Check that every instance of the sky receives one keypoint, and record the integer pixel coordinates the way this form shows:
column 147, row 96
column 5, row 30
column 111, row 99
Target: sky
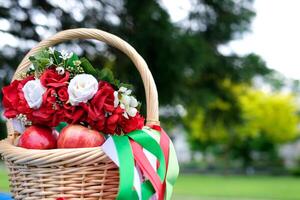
column 275, row 33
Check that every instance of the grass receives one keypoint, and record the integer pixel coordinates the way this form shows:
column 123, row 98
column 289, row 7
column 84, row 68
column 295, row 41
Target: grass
column 237, row 188
column 3, row 180
column 195, row 187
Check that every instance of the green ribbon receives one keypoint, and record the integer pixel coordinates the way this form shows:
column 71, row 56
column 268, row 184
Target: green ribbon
column 150, row 144
column 147, row 190
column 126, row 169
column 149, row 140
column 172, row 172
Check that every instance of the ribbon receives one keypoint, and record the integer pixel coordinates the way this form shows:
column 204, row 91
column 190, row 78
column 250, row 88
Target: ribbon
column 171, row 159
column 136, row 154
column 147, row 169
column 125, row 157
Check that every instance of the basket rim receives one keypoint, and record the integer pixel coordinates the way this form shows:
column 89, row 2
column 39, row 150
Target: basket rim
column 52, row 157
column 48, row 150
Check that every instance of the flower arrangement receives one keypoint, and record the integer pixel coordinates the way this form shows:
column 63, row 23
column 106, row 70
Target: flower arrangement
column 61, row 87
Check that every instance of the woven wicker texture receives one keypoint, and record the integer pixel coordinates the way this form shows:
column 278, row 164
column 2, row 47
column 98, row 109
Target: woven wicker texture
column 83, row 173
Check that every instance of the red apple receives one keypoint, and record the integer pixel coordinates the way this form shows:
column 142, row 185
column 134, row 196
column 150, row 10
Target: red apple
column 77, row 136
column 37, row 137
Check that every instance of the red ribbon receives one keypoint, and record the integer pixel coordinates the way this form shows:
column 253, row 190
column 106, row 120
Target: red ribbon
column 145, row 166
column 164, row 144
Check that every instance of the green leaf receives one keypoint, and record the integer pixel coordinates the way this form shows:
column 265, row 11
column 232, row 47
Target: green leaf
column 129, row 86
column 88, row 67
column 40, row 60
column 60, row 126
column 117, row 83
column 139, row 106
column 71, row 60
column 56, row 57
column 106, row 75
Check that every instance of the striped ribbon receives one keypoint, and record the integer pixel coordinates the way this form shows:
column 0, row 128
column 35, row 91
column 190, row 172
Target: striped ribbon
column 135, row 152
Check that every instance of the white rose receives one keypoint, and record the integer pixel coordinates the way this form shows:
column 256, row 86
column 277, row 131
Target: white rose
column 33, row 92
column 82, row 88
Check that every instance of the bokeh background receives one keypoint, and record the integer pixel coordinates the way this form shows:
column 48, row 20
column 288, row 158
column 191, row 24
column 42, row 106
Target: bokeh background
column 227, row 77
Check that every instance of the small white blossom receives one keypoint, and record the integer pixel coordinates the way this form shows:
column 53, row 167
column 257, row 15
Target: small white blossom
column 60, row 70
column 18, row 125
column 31, row 67
column 128, row 103
column 116, row 99
column 51, row 61
column 133, row 102
column 65, row 55
column 51, row 50
column 77, row 62
column 20, row 122
column 125, row 90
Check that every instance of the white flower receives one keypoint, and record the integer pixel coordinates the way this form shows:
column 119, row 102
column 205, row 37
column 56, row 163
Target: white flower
column 65, row 55
column 51, row 50
column 77, row 62
column 129, row 103
column 60, row 70
column 82, row 88
column 124, row 90
column 18, row 125
column 116, row 99
column 51, row 61
column 31, row 67
column 126, row 102
column 33, row 92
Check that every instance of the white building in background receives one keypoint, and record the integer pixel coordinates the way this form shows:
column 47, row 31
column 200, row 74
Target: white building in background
column 181, row 145
column 290, row 153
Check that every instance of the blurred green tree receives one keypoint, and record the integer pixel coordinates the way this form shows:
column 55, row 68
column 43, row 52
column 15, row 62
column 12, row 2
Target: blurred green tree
column 183, row 57
column 267, row 119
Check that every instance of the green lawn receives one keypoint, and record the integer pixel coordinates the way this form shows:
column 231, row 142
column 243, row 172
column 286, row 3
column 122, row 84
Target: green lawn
column 192, row 187
column 3, row 180
column 198, row 187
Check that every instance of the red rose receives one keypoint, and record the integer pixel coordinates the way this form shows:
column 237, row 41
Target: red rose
column 50, row 113
column 50, row 78
column 13, row 99
column 75, row 114
column 95, row 116
column 112, row 122
column 104, row 98
column 101, row 105
column 63, row 94
column 132, row 123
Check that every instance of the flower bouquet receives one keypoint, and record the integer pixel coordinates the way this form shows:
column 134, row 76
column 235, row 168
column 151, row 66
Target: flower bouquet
column 75, row 132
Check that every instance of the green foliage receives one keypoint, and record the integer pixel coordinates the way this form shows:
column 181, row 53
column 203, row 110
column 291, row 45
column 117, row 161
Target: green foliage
column 273, row 115
column 72, row 60
column 40, row 60
column 266, row 120
column 88, row 67
column 107, row 75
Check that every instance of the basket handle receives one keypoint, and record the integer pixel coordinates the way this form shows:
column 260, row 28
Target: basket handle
column 112, row 40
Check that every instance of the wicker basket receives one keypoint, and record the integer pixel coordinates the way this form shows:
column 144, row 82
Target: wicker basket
column 83, row 173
